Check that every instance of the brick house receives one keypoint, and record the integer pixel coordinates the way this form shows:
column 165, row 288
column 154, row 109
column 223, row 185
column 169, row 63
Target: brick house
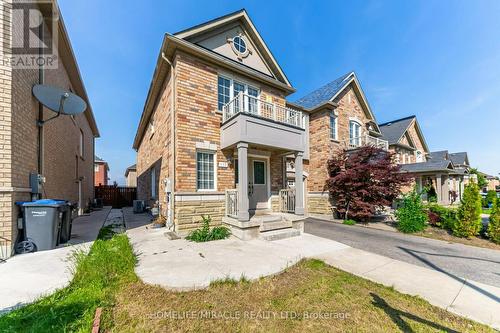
column 215, row 87
column 101, row 169
column 131, row 176
column 67, row 142
column 445, row 174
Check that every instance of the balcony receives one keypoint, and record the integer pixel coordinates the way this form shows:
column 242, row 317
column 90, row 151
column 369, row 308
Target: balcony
column 246, row 118
column 366, row 140
column 251, row 105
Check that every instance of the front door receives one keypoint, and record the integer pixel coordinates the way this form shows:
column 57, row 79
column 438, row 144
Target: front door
column 258, row 189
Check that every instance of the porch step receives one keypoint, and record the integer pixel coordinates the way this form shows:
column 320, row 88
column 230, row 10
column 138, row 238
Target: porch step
column 279, row 234
column 275, row 225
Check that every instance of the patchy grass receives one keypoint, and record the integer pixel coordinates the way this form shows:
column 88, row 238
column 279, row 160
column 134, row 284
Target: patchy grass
column 308, row 297
column 98, row 276
column 445, row 235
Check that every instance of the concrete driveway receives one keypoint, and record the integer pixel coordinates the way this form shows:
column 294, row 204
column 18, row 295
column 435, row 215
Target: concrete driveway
column 453, row 259
column 26, row 277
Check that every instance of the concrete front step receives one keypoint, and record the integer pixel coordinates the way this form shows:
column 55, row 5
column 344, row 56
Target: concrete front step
column 279, row 234
column 275, row 225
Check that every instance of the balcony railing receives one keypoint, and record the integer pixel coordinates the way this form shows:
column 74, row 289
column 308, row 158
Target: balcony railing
column 287, row 200
column 232, row 203
column 367, row 140
column 243, row 103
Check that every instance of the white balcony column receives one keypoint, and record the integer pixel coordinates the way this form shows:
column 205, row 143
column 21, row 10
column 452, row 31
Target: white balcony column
column 243, row 204
column 445, row 196
column 299, row 183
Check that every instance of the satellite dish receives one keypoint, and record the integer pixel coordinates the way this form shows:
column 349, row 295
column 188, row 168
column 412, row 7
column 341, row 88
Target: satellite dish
column 59, row 100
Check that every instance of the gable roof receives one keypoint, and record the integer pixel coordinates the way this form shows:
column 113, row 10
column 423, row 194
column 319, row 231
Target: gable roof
column 439, row 155
column 429, row 166
column 459, row 158
column 241, row 16
column 325, row 93
column 133, row 167
column 394, row 130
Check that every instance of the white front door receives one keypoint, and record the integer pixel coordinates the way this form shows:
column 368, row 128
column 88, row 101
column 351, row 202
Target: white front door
column 258, row 184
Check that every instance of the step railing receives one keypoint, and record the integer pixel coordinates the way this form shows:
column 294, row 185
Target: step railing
column 287, row 200
column 232, row 203
column 243, row 103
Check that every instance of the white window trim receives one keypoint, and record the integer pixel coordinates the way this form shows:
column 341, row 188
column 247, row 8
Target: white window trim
column 333, row 115
column 231, row 87
column 206, row 151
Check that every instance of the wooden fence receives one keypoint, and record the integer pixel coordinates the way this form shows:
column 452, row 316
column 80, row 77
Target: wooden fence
column 116, row 196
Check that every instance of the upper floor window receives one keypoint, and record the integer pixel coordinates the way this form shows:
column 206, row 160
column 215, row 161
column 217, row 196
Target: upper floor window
column 96, row 167
column 227, row 89
column 354, row 133
column 419, row 157
column 333, row 126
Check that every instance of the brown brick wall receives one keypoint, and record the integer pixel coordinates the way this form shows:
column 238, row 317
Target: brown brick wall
column 321, row 146
column 101, row 175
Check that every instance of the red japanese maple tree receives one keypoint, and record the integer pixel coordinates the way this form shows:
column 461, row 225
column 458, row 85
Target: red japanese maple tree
column 362, row 180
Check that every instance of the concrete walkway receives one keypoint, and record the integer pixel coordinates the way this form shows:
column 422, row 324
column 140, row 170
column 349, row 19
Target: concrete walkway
column 26, row 277
column 182, row 265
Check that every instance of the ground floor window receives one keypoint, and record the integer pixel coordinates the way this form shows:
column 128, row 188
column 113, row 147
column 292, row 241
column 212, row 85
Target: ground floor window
column 205, row 171
column 153, row 183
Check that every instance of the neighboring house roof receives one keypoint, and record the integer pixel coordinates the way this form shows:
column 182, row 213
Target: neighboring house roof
column 439, row 155
column 130, row 169
column 394, row 130
column 179, row 41
column 99, row 160
column 327, row 94
column 429, row 166
column 459, row 158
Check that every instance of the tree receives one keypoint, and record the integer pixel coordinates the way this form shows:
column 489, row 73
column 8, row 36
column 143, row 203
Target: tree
column 362, row 180
column 469, row 212
column 490, row 198
column 494, row 225
column 481, row 179
column 411, row 215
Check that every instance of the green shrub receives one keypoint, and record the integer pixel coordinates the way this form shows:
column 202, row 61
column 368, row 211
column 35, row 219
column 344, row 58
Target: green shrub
column 469, row 213
column 349, row 222
column 205, row 233
column 411, row 215
column 490, row 198
column 447, row 216
column 494, row 225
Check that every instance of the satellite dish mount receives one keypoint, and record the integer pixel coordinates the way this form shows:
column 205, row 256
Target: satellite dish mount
column 59, row 101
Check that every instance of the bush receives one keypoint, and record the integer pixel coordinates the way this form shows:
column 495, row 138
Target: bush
column 205, row 233
column 494, row 225
column 411, row 215
column 442, row 217
column 349, row 222
column 469, row 213
column 490, row 198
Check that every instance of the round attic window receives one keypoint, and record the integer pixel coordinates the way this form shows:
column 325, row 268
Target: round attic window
column 239, row 44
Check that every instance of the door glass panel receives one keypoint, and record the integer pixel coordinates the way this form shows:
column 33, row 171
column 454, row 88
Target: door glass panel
column 259, row 173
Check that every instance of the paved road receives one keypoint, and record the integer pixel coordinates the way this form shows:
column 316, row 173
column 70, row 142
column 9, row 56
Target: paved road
column 456, row 260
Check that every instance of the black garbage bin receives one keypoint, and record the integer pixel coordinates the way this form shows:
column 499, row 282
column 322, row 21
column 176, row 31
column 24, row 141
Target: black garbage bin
column 66, row 223
column 43, row 221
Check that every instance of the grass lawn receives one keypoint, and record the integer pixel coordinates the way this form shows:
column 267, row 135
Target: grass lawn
column 309, row 296
column 445, row 235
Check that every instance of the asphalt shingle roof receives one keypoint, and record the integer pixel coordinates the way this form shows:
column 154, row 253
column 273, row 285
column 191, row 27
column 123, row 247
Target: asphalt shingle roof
column 459, row 158
column 325, row 93
column 432, row 165
column 393, row 131
column 439, row 155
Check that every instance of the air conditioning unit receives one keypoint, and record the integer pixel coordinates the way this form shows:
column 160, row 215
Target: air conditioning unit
column 139, row 206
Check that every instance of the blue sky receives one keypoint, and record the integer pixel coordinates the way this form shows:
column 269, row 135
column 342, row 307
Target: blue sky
column 439, row 60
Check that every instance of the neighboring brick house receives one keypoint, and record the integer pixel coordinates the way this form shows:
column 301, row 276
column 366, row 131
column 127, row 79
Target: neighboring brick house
column 340, row 117
column 67, row 141
column 215, row 129
column 131, row 176
column 101, row 169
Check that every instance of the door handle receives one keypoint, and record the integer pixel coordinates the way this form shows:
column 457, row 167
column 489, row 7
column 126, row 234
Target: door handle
column 250, row 189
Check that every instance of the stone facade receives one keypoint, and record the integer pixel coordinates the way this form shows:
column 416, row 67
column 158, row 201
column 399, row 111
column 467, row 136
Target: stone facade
column 411, row 138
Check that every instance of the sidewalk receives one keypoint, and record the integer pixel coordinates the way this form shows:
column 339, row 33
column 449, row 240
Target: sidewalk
column 182, row 265
column 26, row 277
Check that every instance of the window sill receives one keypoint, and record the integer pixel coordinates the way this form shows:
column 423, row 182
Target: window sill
column 334, row 140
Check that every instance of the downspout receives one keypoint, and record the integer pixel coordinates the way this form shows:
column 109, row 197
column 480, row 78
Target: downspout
column 172, row 140
column 41, row 80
